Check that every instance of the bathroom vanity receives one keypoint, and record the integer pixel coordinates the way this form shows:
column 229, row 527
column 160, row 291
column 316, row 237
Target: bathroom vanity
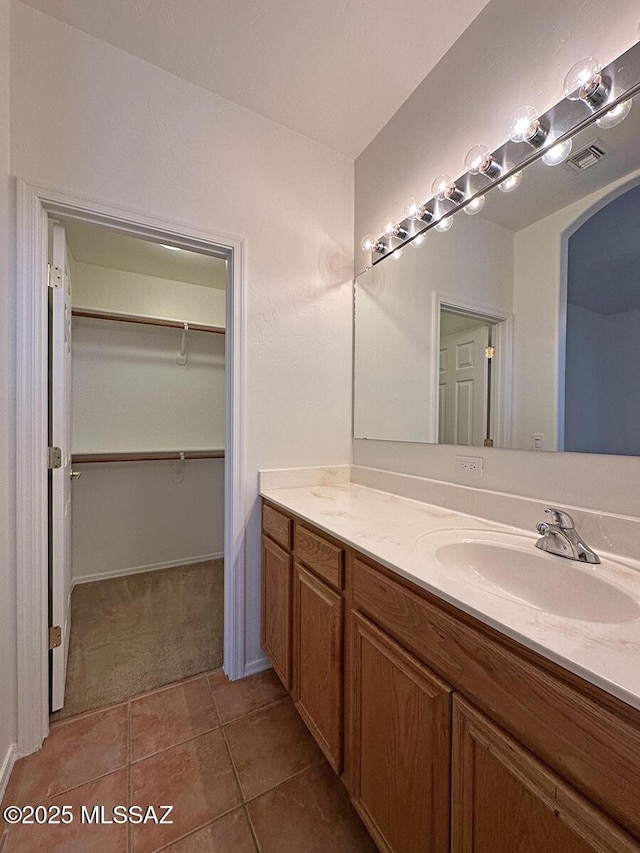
column 458, row 719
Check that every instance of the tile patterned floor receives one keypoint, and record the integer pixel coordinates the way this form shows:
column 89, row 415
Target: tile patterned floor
column 234, row 759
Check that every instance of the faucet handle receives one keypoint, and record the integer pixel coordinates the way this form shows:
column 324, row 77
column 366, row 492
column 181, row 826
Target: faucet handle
column 561, row 518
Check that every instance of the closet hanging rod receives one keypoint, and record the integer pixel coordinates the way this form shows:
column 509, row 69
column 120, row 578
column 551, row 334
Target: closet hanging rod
column 148, row 321
column 151, row 456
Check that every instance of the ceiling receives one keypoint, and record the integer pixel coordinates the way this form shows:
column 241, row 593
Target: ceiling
column 99, row 246
column 335, row 70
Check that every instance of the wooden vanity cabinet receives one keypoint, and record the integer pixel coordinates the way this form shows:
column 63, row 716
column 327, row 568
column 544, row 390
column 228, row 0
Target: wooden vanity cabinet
column 399, row 745
column 505, row 800
column 450, row 736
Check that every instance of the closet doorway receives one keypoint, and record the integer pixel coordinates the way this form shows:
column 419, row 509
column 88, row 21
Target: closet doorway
column 37, row 207
column 145, row 399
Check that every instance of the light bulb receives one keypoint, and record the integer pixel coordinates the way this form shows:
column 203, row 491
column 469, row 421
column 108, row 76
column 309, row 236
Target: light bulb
column 415, row 210
column 582, row 79
column 558, row 153
column 441, row 187
column 390, row 228
column 524, row 126
column 444, row 224
column 475, row 206
column 397, row 255
column 370, row 243
column 479, row 161
column 512, row 183
column 418, row 240
column 584, row 82
column 444, row 188
column 615, row 115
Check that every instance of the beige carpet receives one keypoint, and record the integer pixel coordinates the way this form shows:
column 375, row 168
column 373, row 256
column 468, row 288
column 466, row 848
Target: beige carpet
column 136, row 633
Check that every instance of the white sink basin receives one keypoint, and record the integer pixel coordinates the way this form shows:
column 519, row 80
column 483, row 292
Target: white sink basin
column 510, row 566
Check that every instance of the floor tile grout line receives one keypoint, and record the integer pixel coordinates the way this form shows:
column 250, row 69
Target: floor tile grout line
column 233, row 765
column 47, row 800
column 313, row 764
column 213, row 700
column 253, row 829
column 172, row 684
column 136, row 761
column 195, row 829
column 254, row 711
column 111, row 706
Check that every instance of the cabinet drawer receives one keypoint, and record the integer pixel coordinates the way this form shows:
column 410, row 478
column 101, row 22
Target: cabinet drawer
column 277, row 525
column 586, row 742
column 325, row 558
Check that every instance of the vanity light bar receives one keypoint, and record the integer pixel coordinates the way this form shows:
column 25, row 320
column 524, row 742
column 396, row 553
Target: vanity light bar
column 592, row 93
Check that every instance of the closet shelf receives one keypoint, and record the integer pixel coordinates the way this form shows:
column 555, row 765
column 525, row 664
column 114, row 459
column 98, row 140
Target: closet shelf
column 148, row 321
column 147, row 456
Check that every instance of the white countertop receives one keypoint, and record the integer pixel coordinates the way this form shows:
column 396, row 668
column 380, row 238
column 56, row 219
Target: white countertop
column 391, row 530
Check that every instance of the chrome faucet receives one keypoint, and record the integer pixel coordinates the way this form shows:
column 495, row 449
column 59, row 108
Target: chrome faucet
column 561, row 537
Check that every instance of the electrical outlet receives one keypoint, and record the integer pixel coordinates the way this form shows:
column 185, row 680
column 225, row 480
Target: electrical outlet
column 537, row 441
column 470, row 465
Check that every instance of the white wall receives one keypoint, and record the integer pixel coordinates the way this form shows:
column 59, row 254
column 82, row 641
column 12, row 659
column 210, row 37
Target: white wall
column 514, row 52
column 133, row 517
column 92, row 119
column 109, row 290
column 130, row 394
column 8, row 721
column 393, row 350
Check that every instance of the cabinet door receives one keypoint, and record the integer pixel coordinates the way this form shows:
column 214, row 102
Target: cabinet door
column 505, row 800
column 276, row 608
column 400, row 744
column 318, row 673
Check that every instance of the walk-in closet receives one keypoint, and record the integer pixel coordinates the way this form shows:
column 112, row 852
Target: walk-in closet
column 148, row 458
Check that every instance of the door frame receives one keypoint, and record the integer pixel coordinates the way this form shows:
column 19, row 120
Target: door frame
column 502, row 363
column 34, row 206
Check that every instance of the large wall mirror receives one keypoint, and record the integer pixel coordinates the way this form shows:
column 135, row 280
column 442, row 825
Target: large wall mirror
column 520, row 326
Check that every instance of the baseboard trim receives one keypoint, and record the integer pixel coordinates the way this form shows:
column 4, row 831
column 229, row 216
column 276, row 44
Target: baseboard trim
column 7, row 767
column 258, row 665
column 136, row 570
